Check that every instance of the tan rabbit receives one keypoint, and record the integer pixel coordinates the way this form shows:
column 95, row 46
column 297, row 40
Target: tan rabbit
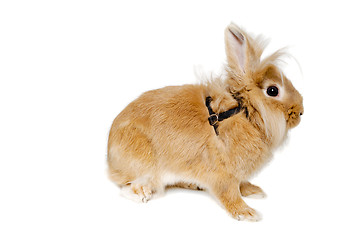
column 212, row 136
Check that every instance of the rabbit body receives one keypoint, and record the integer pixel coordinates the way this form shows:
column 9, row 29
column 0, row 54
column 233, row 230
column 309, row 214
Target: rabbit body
column 163, row 138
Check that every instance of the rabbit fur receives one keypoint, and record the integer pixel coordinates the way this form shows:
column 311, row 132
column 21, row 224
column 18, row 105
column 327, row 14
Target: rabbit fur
column 163, row 138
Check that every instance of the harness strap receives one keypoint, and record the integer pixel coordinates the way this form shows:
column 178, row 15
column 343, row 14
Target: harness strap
column 215, row 118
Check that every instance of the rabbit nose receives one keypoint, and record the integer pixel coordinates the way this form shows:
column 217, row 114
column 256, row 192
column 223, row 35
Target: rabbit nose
column 294, row 112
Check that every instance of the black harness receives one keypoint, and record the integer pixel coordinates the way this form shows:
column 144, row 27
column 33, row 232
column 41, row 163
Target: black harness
column 215, row 118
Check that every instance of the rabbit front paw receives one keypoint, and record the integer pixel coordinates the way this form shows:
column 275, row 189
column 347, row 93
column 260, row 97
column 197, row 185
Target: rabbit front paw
column 249, row 214
column 252, row 191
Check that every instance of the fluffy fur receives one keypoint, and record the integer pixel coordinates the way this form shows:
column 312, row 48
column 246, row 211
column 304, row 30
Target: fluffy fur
column 163, row 138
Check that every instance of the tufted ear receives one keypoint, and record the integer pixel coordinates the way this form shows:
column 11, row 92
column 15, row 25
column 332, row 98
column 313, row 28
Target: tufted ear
column 236, row 48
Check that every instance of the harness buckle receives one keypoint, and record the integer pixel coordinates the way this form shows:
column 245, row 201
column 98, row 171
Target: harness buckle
column 213, row 119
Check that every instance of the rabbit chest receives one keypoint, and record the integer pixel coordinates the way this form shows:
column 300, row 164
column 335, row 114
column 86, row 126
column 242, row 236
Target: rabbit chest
column 245, row 146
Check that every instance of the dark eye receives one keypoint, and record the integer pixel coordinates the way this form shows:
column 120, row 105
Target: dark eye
column 272, row 91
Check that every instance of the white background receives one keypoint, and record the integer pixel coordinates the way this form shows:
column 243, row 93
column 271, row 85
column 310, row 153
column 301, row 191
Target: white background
column 67, row 68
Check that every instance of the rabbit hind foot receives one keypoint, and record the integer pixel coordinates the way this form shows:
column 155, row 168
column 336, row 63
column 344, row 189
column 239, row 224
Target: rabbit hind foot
column 138, row 190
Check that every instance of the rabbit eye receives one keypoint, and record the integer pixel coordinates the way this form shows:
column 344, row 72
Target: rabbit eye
column 272, row 91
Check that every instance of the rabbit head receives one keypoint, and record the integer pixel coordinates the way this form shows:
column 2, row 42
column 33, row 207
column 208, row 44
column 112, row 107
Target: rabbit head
column 273, row 102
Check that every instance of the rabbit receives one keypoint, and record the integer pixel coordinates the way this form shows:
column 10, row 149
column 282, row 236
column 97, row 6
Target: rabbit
column 211, row 136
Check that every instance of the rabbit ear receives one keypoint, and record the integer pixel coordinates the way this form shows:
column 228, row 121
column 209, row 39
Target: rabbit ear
column 236, row 48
